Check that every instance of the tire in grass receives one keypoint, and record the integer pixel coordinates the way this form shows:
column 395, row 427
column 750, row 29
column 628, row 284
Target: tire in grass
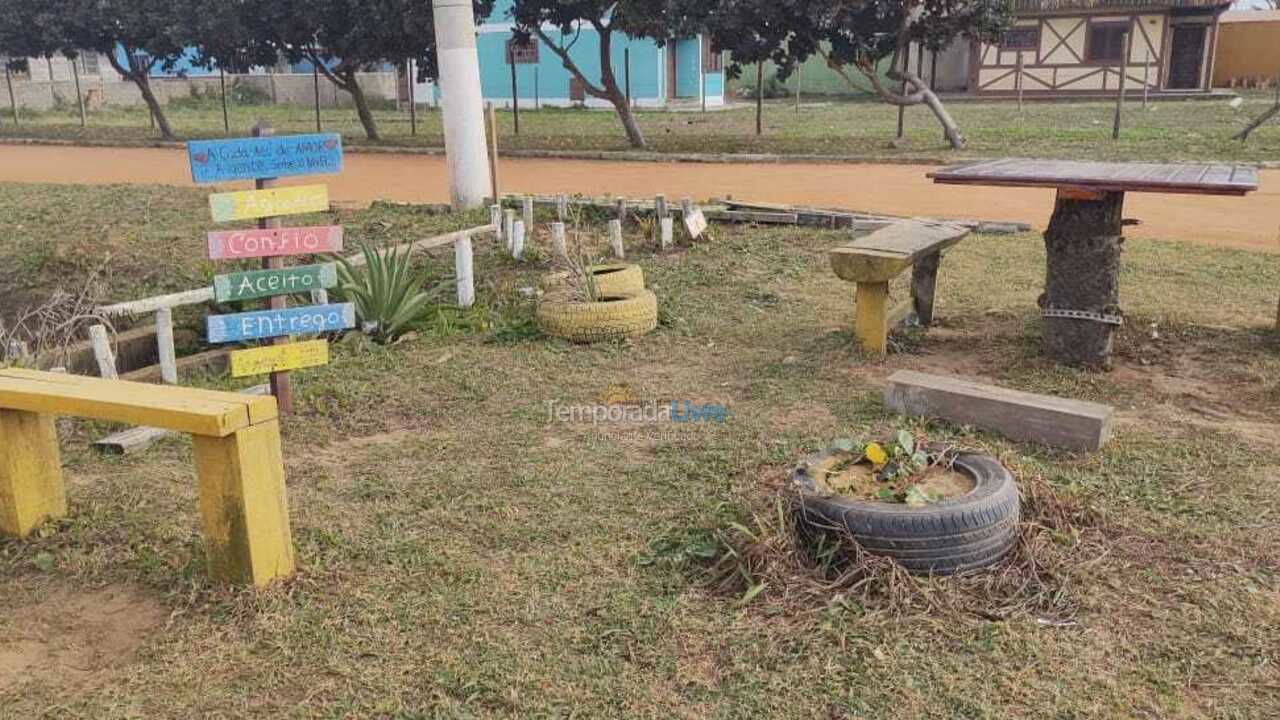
column 950, row 536
column 613, row 280
column 613, row 318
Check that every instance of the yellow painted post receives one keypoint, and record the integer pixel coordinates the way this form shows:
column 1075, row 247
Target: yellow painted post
column 30, row 472
column 871, row 317
column 243, row 505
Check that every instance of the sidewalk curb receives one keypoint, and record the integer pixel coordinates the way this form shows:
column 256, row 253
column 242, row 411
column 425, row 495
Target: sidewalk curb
column 604, row 155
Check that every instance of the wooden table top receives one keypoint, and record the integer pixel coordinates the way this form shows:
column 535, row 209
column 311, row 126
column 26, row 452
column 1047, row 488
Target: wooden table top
column 1104, row 176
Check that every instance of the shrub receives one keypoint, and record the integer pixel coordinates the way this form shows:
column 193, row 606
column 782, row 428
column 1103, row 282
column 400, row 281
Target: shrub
column 389, row 296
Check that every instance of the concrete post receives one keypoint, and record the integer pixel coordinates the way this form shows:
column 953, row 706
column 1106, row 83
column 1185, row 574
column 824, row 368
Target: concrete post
column 464, row 132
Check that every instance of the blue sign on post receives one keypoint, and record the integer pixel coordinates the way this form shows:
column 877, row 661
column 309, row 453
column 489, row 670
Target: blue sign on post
column 214, row 161
column 276, row 323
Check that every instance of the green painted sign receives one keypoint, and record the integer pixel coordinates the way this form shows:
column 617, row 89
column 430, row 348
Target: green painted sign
column 268, row 283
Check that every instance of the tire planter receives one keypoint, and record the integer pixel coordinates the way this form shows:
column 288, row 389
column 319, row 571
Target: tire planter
column 615, row 280
column 963, row 533
column 615, row 318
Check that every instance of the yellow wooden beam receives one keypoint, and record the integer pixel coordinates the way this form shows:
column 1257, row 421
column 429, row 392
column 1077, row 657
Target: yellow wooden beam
column 30, row 472
column 871, row 317
column 199, row 412
column 243, row 505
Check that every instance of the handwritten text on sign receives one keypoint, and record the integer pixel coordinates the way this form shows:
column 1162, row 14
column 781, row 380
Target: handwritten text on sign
column 268, row 283
column 278, row 358
column 275, row 323
column 241, row 244
column 215, row 161
column 696, row 223
column 251, row 204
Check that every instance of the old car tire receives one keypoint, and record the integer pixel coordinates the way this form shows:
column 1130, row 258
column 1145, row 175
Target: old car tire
column 613, row 280
column 612, row 319
column 955, row 535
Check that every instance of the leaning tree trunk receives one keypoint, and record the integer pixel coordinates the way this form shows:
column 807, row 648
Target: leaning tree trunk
column 1082, row 272
column 352, row 86
column 628, row 118
column 162, row 122
column 949, row 126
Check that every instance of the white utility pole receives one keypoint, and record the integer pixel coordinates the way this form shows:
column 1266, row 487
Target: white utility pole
column 465, row 143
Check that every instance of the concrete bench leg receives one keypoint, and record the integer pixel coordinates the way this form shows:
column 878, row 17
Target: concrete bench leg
column 31, row 488
column 871, row 317
column 924, row 282
column 243, row 505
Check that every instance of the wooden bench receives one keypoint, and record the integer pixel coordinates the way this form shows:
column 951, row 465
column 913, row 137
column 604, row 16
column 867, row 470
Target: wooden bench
column 873, row 260
column 238, row 460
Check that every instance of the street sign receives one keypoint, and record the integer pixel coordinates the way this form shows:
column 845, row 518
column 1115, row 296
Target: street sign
column 246, row 244
column 279, row 358
column 268, row 283
column 251, row 204
column 253, row 158
column 276, row 323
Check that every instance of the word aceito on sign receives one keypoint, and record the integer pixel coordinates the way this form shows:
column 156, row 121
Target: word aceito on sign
column 267, row 283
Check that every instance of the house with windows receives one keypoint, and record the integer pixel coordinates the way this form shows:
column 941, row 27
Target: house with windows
column 1078, row 47
column 683, row 70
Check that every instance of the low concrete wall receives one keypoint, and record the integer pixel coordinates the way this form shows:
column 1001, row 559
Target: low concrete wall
column 101, row 92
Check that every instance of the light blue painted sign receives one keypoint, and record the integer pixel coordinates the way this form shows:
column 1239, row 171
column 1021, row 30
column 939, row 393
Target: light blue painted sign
column 214, row 161
column 276, row 323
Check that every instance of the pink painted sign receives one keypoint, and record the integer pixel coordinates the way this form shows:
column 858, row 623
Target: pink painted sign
column 240, row 244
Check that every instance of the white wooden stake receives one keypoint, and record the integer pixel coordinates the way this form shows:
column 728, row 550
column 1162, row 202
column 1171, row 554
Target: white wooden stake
column 615, row 239
column 102, row 352
column 495, row 219
column 660, row 206
column 668, row 229
column 686, row 205
column 528, row 213
column 463, row 264
column 164, row 344
column 622, row 210
column 562, row 207
column 557, row 240
column 517, row 239
column 509, row 228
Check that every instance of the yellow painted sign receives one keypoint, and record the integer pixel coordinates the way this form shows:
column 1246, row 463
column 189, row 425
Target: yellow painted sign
column 252, row 204
column 278, row 358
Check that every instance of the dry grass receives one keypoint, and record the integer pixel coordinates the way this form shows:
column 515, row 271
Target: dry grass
column 462, row 556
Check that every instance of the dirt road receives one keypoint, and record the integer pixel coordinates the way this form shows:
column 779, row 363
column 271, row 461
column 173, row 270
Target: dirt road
column 1251, row 222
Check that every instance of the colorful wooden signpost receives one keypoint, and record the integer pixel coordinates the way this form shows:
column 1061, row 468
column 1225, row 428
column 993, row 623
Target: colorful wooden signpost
column 262, row 324
column 273, row 242
column 263, row 158
column 254, row 204
column 279, row 358
column 267, row 283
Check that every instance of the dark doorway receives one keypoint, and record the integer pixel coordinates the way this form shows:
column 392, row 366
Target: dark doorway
column 1186, row 55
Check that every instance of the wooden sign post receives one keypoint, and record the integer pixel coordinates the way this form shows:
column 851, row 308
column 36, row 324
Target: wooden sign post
column 265, row 158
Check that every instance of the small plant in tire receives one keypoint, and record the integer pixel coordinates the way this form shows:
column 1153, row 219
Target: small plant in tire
column 934, row 510
column 894, row 466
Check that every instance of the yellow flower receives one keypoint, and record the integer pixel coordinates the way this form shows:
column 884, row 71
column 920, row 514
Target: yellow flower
column 876, row 454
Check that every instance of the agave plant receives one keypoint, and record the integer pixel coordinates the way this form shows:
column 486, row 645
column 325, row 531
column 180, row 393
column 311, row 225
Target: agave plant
column 389, row 296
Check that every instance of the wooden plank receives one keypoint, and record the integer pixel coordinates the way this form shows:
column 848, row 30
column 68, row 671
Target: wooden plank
column 751, row 216
column 137, row 439
column 166, row 353
column 152, row 304
column 885, row 253
column 244, row 509
column 31, row 489
column 199, row 412
column 254, row 158
column 255, row 284
column 1200, row 179
column 102, row 352
column 274, row 242
column 1058, row 422
column 253, row 204
column 263, row 324
column 279, row 358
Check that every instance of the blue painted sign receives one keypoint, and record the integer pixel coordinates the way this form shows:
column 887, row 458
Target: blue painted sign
column 214, row 161
column 276, row 323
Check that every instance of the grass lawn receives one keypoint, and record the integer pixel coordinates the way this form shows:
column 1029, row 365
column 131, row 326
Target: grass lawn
column 1172, row 130
column 464, row 556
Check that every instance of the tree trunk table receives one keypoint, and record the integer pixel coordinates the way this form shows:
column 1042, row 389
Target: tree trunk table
column 1081, row 300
